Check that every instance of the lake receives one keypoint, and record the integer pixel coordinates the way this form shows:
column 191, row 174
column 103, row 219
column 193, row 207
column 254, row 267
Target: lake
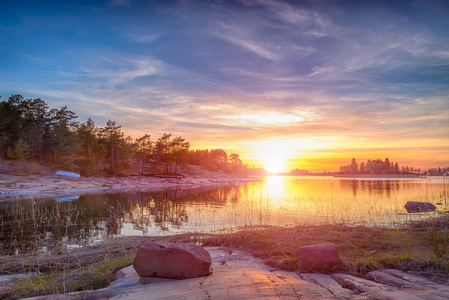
column 45, row 224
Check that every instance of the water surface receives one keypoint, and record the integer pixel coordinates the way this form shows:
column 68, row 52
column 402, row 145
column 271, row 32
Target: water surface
column 46, row 224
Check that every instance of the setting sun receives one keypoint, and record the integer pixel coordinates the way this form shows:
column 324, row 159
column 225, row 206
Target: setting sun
column 272, row 155
column 274, row 165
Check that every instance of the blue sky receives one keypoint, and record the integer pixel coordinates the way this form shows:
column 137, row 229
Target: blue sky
column 310, row 83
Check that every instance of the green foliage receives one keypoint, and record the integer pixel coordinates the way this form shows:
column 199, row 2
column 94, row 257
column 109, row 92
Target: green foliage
column 54, row 136
column 20, row 153
column 67, row 281
column 20, row 150
column 144, row 147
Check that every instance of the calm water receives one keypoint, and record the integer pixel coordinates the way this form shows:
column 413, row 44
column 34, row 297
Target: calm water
column 44, row 224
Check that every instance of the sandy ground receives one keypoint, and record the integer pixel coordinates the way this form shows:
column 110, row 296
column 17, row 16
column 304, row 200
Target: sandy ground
column 49, row 184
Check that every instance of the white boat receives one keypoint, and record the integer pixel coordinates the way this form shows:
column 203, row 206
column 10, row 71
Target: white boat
column 70, row 174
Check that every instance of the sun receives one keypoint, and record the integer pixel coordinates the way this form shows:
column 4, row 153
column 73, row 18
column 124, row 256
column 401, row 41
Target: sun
column 274, row 164
column 271, row 155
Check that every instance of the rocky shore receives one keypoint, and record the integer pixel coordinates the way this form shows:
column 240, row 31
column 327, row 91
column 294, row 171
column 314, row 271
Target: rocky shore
column 239, row 275
column 44, row 185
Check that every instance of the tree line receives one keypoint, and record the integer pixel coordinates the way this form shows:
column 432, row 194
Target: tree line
column 299, row 172
column 219, row 160
column 378, row 166
column 31, row 131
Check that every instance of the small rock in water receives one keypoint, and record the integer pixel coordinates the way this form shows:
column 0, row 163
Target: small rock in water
column 172, row 261
column 415, row 207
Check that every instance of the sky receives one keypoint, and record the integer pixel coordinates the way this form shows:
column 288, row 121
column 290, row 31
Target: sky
column 285, row 84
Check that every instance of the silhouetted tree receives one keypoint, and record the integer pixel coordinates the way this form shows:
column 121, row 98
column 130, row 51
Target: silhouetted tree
column 180, row 149
column 144, row 146
column 113, row 137
column 89, row 150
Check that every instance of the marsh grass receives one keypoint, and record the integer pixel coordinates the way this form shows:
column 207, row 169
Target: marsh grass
column 37, row 228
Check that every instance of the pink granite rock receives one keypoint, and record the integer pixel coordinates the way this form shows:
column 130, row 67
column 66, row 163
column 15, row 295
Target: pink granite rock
column 172, row 261
column 321, row 257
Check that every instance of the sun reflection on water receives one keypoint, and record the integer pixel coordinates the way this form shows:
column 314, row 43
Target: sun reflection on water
column 278, row 200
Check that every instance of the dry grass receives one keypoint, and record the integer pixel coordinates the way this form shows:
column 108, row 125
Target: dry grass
column 85, row 257
column 90, row 267
column 361, row 249
column 420, row 248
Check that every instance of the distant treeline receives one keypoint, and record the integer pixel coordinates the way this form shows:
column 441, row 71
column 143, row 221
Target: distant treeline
column 378, row 166
column 299, row 172
column 219, row 160
column 30, row 131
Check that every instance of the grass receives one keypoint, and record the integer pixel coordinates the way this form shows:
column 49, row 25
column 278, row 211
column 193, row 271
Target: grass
column 68, row 281
column 81, row 269
column 422, row 247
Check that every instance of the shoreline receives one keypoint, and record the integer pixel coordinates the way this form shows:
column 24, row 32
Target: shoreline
column 386, row 176
column 42, row 186
column 275, row 247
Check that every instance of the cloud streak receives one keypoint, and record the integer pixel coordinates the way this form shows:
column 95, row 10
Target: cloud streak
column 327, row 75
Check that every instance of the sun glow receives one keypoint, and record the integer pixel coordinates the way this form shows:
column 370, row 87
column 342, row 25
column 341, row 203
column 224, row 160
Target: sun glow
column 274, row 164
column 272, row 155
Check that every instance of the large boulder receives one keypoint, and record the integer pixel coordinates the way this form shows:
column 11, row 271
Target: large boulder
column 172, row 261
column 317, row 258
column 415, row 207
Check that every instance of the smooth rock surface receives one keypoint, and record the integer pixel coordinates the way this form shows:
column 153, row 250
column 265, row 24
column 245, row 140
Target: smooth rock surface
column 172, row 261
column 321, row 257
column 238, row 275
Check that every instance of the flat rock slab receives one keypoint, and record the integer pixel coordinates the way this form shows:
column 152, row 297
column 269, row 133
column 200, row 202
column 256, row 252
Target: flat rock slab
column 238, row 275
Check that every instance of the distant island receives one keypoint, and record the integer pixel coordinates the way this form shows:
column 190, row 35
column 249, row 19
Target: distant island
column 387, row 167
column 375, row 168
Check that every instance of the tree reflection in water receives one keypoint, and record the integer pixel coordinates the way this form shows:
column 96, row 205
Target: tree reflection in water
column 46, row 225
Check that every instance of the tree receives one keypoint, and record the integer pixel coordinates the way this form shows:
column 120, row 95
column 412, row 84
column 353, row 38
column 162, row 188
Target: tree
column 218, row 159
column 62, row 137
column 35, row 117
column 163, row 145
column 299, row 172
column 10, row 122
column 19, row 152
column 87, row 139
column 144, row 145
column 157, row 150
column 362, row 168
column 235, row 162
column 180, row 149
column 354, row 167
column 113, row 137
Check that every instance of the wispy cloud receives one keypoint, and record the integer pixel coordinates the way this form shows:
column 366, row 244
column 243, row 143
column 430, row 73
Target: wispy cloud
column 241, row 37
column 321, row 73
column 143, row 37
